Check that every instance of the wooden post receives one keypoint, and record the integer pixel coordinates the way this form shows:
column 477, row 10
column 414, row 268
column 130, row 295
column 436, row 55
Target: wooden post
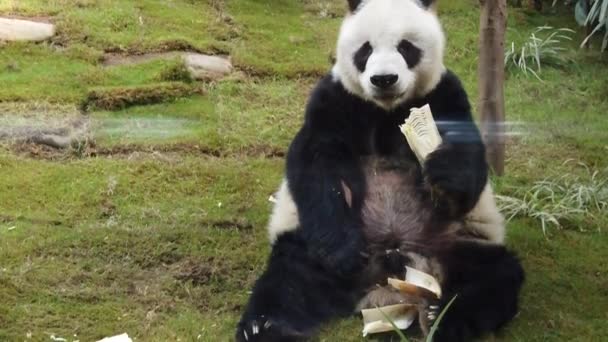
column 491, row 105
column 535, row 5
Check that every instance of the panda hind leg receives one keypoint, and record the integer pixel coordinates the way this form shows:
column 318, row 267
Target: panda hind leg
column 293, row 297
column 486, row 280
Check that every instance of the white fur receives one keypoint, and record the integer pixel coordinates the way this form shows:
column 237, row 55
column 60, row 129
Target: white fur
column 384, row 23
column 484, row 221
column 284, row 216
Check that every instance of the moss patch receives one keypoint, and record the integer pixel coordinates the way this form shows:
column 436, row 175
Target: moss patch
column 122, row 97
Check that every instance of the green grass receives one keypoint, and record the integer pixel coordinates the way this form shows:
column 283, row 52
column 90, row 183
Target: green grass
column 296, row 42
column 114, row 25
column 44, row 72
column 99, row 244
column 233, row 116
column 157, row 229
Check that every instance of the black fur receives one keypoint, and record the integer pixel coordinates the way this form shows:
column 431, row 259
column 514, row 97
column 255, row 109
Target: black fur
column 486, row 280
column 427, row 3
column 353, row 4
column 312, row 272
column 410, row 53
column 295, row 294
column 362, row 55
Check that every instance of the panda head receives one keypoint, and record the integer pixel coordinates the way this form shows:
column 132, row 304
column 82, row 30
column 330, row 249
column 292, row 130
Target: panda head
column 390, row 51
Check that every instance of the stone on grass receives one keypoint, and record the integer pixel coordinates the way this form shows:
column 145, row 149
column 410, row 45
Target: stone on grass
column 118, row 338
column 204, row 67
column 25, row 30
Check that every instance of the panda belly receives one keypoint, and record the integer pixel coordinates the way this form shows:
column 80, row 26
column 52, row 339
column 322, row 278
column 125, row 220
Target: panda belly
column 394, row 213
column 400, row 228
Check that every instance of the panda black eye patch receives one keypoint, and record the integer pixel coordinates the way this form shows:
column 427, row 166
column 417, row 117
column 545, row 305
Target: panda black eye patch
column 362, row 55
column 410, row 53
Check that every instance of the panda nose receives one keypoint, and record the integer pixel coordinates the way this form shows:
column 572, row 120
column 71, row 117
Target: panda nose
column 384, row 81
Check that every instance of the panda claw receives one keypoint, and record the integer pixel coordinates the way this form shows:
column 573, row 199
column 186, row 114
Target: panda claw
column 264, row 329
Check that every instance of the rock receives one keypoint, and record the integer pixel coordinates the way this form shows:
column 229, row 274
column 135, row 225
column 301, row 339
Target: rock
column 118, row 338
column 204, row 67
column 17, row 29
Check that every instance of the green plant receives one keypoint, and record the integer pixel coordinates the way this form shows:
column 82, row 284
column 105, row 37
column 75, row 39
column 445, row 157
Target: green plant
column 592, row 14
column 176, row 72
column 557, row 201
column 544, row 46
column 598, row 16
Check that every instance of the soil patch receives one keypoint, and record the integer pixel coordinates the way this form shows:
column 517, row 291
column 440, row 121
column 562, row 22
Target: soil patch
column 116, row 59
column 199, row 271
column 9, row 219
column 200, row 66
column 53, row 126
column 38, row 18
column 240, row 224
column 193, row 149
column 168, row 153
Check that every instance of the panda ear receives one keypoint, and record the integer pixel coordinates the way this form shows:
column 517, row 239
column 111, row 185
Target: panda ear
column 428, row 4
column 353, row 4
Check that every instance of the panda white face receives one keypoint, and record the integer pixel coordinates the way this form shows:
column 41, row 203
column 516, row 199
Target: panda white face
column 390, row 51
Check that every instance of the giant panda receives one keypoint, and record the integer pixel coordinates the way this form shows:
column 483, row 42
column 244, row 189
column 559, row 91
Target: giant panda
column 356, row 206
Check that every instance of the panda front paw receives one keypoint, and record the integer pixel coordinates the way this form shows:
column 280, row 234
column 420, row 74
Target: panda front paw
column 455, row 180
column 394, row 262
column 263, row 329
column 428, row 312
column 432, row 312
column 348, row 260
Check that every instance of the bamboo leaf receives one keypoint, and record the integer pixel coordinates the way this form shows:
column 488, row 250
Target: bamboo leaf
column 397, row 330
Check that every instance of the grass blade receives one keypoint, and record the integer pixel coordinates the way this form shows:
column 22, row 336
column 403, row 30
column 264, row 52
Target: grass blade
column 395, row 327
column 435, row 326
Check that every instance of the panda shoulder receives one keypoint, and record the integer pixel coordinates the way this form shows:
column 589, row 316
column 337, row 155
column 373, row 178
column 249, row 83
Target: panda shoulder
column 327, row 100
column 449, row 84
column 449, row 95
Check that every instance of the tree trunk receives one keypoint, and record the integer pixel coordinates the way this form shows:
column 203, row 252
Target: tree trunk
column 491, row 104
column 535, row 5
